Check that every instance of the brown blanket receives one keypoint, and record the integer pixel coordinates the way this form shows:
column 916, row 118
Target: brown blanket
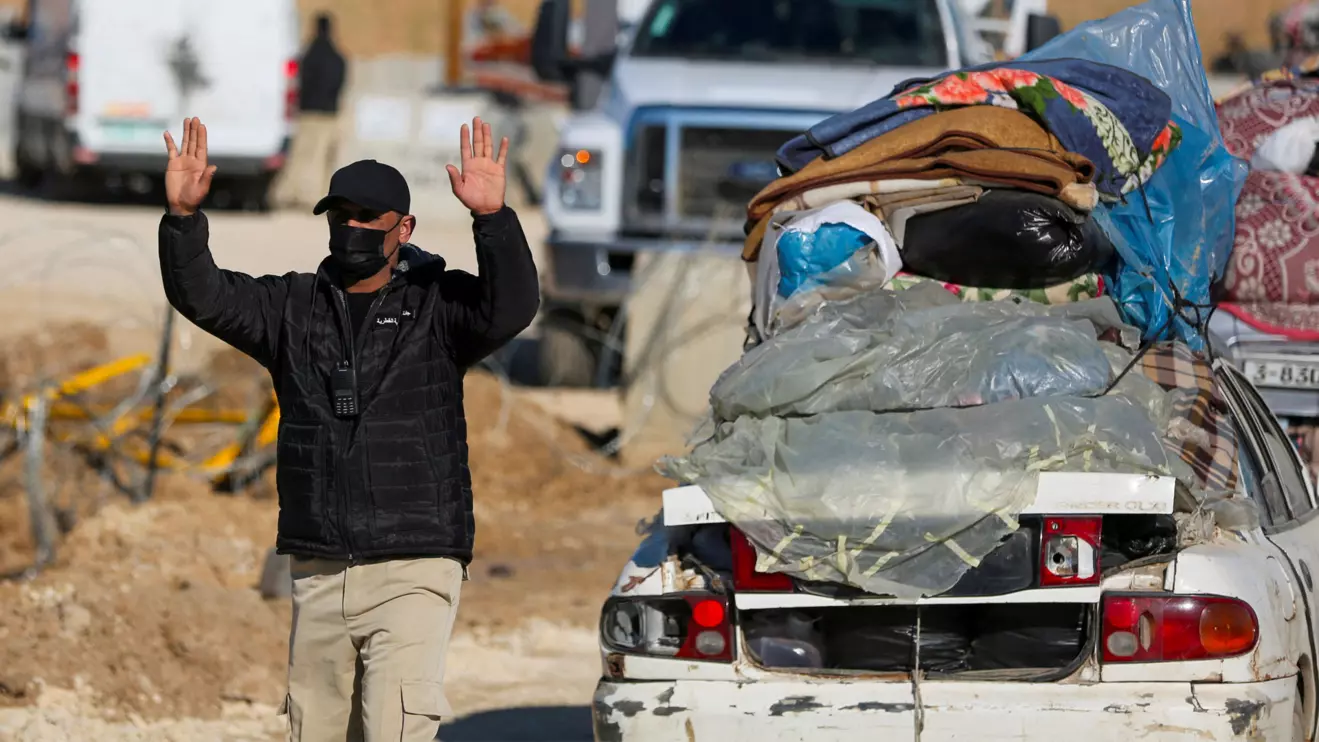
column 984, row 145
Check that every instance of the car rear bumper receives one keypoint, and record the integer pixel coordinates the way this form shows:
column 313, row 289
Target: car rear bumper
column 226, row 166
column 839, row 710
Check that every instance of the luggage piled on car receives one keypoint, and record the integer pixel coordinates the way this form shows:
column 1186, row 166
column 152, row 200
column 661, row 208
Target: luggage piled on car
column 975, row 280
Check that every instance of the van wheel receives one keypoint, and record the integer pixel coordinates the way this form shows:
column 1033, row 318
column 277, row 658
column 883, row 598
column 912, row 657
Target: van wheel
column 254, row 194
column 27, row 172
column 565, row 356
column 27, row 175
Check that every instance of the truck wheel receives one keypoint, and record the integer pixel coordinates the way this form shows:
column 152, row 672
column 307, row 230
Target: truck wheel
column 565, row 356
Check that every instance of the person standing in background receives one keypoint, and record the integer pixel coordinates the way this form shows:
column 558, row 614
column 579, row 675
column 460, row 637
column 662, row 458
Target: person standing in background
column 316, row 141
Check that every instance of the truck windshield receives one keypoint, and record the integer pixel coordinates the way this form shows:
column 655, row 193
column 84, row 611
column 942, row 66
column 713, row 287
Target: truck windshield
column 897, row 33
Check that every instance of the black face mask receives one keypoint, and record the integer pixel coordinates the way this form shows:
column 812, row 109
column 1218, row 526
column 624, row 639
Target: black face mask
column 359, row 252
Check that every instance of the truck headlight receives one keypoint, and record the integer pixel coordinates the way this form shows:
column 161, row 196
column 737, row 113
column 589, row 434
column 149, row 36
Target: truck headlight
column 580, row 179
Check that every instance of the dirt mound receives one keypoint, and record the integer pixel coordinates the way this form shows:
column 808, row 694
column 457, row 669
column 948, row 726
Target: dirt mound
column 152, row 610
column 153, row 607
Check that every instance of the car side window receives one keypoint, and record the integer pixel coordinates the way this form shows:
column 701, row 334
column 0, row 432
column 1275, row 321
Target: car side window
column 1278, row 450
column 1256, row 480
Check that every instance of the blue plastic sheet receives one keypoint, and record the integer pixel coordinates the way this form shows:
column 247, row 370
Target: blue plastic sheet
column 1174, row 236
column 804, row 255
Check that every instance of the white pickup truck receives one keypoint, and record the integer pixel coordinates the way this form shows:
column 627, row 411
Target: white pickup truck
column 696, row 97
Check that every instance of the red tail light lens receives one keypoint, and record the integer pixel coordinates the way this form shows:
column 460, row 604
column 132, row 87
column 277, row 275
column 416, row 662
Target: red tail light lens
column 709, row 635
column 1168, row 628
column 291, row 71
column 745, row 576
column 1069, row 552
column 691, row 627
column 71, row 91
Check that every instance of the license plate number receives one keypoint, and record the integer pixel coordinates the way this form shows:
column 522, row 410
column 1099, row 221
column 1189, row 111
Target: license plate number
column 133, row 131
column 1288, row 374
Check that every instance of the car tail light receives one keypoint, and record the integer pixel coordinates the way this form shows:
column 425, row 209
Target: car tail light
column 1174, row 628
column 745, row 577
column 71, row 65
column 691, row 627
column 1069, row 552
column 291, row 70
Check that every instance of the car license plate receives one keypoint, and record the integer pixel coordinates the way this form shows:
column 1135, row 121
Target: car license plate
column 1282, row 373
column 133, row 132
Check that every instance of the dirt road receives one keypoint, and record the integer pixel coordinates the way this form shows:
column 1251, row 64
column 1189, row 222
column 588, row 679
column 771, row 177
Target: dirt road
column 150, row 626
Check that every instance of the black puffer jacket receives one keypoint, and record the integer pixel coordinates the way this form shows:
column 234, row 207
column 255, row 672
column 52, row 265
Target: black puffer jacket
column 394, row 481
column 323, row 72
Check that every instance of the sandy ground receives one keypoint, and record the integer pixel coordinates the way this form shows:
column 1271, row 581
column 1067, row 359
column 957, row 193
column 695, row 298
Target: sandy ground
column 149, row 625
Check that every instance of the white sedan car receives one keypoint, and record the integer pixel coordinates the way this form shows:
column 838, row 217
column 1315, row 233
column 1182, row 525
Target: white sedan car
column 1046, row 639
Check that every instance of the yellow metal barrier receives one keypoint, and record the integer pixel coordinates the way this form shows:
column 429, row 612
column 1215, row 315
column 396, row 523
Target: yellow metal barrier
column 251, row 436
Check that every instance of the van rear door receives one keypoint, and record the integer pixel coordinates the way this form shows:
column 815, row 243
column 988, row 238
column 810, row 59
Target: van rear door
column 145, row 66
column 247, row 51
column 127, row 94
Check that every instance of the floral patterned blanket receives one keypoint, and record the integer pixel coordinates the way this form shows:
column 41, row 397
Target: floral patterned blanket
column 1089, row 286
column 1116, row 119
column 1275, row 257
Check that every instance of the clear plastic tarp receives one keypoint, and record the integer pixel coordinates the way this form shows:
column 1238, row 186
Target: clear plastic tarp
column 919, row 349
column 904, row 503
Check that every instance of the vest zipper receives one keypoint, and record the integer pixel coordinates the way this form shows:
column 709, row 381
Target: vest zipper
column 354, row 348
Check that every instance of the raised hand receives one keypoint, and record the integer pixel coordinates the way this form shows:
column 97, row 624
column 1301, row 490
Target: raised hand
column 188, row 177
column 480, row 184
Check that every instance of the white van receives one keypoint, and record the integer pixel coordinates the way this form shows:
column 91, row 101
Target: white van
column 103, row 79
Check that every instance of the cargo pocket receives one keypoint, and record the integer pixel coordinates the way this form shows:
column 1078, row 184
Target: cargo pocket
column 424, row 707
column 404, row 493
column 300, row 478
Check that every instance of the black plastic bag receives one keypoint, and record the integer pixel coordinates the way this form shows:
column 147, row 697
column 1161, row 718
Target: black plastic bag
column 1013, row 637
column 1006, row 240
column 884, row 640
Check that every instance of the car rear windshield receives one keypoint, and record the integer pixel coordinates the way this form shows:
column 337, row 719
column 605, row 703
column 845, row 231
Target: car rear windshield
column 897, row 33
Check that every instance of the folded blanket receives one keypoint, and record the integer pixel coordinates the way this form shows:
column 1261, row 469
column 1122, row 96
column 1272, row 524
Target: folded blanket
column 1200, row 432
column 981, row 146
column 1114, row 117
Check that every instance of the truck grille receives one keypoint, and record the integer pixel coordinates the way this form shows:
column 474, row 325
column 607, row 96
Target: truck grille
column 718, row 169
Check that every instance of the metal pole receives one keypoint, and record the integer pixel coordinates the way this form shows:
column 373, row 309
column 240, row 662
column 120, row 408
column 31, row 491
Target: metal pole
column 159, row 389
column 454, row 49
column 39, row 513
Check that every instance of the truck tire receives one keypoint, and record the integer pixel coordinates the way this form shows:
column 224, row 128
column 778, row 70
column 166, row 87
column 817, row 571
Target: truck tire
column 565, row 357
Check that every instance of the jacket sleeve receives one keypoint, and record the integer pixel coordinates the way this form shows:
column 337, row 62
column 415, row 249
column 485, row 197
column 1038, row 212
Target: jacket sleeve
column 482, row 313
column 243, row 311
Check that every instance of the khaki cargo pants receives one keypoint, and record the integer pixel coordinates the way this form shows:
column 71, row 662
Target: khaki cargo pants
column 311, row 162
column 367, row 649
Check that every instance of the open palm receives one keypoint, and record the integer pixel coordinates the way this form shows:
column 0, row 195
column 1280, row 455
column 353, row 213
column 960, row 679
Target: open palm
column 481, row 182
column 188, row 176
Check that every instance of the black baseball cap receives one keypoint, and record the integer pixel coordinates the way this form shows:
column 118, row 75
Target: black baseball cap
column 369, row 184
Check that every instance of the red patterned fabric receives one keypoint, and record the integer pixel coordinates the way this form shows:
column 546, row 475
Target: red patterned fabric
column 1275, row 259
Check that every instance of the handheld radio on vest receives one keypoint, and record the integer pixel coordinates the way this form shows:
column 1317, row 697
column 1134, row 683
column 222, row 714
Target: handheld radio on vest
column 343, row 390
